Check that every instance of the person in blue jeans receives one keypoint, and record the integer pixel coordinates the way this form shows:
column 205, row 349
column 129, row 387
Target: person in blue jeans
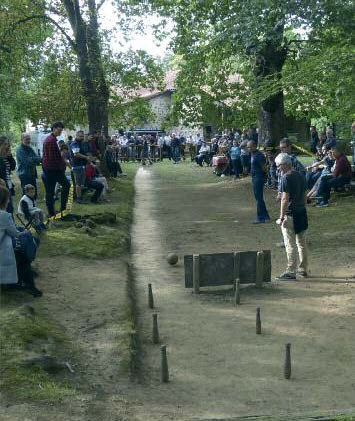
column 175, row 148
column 235, row 161
column 258, row 177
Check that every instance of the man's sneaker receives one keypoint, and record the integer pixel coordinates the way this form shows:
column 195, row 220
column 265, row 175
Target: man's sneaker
column 322, row 204
column 302, row 273
column 286, row 276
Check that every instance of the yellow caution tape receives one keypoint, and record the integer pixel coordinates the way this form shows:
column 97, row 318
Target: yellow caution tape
column 299, row 148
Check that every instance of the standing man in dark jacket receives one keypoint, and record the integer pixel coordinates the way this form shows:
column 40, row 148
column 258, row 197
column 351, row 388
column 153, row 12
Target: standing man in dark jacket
column 259, row 176
column 293, row 218
column 54, row 169
column 27, row 160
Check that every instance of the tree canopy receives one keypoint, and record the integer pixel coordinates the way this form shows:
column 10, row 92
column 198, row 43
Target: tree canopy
column 295, row 56
column 57, row 63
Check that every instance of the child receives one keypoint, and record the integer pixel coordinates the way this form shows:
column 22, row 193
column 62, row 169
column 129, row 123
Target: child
column 27, row 208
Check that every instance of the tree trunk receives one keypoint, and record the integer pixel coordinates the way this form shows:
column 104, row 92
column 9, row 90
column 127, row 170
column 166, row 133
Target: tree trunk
column 269, row 63
column 88, row 51
column 271, row 120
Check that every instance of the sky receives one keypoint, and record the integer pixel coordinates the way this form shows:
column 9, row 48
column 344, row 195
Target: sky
column 145, row 42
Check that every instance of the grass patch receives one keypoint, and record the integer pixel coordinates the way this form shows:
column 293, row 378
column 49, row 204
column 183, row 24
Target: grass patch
column 110, row 240
column 24, row 336
column 189, row 173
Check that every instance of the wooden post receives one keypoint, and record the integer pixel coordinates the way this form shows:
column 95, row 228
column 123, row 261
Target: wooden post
column 150, row 296
column 164, row 365
column 237, row 292
column 259, row 269
column 236, row 277
column 236, row 266
column 155, row 329
column 287, row 367
column 196, row 273
column 258, row 321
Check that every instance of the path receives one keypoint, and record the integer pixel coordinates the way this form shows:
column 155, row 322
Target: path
column 219, row 367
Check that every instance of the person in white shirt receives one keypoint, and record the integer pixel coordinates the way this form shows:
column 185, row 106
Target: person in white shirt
column 203, row 155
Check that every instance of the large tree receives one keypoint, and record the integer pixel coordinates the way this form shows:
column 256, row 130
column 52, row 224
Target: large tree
column 74, row 69
column 218, row 39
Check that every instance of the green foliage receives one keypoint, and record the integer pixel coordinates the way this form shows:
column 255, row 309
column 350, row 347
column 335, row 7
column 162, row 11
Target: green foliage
column 260, row 41
column 42, row 71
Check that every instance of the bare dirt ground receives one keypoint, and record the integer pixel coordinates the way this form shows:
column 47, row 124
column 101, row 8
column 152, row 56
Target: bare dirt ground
column 219, row 367
column 87, row 298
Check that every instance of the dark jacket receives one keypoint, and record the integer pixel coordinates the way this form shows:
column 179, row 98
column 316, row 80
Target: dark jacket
column 12, row 162
column 27, row 159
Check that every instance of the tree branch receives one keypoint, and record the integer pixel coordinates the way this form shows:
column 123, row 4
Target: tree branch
column 45, row 17
column 100, row 4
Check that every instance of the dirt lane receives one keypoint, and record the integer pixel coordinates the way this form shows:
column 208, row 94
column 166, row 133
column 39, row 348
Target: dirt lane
column 219, row 367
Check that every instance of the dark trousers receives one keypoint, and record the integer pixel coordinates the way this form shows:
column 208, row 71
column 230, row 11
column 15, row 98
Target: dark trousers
column 246, row 163
column 235, row 166
column 52, row 177
column 201, row 158
column 311, row 178
column 114, row 168
column 192, row 150
column 24, row 271
column 175, row 151
column 95, row 185
column 258, row 189
column 25, row 179
column 327, row 183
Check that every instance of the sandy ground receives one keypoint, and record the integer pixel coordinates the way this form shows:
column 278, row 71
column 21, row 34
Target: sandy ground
column 219, row 367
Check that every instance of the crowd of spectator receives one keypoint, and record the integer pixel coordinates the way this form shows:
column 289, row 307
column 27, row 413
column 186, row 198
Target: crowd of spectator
column 86, row 161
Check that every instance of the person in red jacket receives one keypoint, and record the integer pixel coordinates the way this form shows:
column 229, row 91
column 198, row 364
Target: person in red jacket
column 54, row 166
column 340, row 176
column 91, row 183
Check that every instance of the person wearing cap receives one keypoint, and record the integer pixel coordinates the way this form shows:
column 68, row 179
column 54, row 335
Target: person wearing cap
column 293, row 218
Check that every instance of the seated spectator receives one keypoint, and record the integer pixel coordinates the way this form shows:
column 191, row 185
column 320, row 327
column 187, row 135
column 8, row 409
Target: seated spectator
column 340, row 176
column 27, row 208
column 203, row 155
column 91, row 183
column 320, row 167
column 15, row 266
